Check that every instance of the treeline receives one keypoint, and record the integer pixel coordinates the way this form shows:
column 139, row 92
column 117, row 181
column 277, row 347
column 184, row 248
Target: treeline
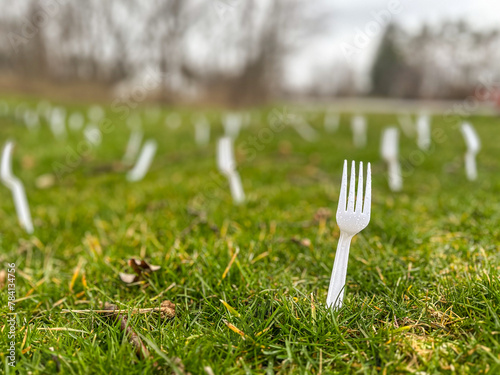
column 231, row 51
column 228, row 51
column 445, row 62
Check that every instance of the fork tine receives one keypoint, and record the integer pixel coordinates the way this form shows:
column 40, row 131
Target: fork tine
column 359, row 197
column 352, row 188
column 343, row 189
column 368, row 193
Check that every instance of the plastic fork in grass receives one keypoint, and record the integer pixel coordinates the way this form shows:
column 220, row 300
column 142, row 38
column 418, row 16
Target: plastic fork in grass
column 17, row 188
column 227, row 166
column 353, row 215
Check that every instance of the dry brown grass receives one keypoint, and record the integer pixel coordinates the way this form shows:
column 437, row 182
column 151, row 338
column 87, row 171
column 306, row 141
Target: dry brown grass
column 84, row 92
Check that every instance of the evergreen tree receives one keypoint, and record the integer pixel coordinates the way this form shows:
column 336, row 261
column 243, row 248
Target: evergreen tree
column 388, row 64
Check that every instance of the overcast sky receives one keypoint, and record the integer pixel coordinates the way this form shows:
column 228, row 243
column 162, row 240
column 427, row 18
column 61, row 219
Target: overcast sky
column 350, row 16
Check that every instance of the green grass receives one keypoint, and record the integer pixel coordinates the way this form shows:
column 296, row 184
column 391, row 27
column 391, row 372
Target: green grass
column 423, row 285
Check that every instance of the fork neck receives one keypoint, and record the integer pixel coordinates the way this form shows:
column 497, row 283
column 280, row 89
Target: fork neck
column 345, row 236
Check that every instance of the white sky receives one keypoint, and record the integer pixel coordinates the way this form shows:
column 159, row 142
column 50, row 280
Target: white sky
column 352, row 15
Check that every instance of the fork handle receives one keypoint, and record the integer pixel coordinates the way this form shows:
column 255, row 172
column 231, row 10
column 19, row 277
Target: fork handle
column 236, row 187
column 470, row 165
column 395, row 180
column 337, row 282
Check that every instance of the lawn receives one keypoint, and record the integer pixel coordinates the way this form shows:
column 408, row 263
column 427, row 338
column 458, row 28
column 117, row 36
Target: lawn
column 250, row 282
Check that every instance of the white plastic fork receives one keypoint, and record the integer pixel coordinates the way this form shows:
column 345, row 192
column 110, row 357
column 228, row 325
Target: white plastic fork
column 201, row 130
column 305, row 130
column 17, row 188
column 76, row 121
column 331, row 122
column 133, row 146
column 424, row 132
column 57, row 122
column 93, row 135
column 351, row 220
column 358, row 127
column 143, row 162
column 389, row 149
column 232, row 124
column 31, row 120
column 473, row 147
column 227, row 166
column 407, row 124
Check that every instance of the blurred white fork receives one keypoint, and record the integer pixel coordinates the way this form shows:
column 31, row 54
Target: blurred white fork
column 473, row 147
column 17, row 188
column 227, row 166
column 351, row 220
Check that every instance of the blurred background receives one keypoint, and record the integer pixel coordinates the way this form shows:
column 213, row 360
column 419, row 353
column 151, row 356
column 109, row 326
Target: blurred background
column 240, row 53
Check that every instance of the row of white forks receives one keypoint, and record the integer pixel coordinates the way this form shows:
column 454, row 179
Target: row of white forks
column 353, row 212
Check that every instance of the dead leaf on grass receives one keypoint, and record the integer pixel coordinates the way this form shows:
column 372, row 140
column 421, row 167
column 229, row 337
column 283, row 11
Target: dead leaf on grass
column 128, row 278
column 141, row 269
column 306, row 242
column 140, row 266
